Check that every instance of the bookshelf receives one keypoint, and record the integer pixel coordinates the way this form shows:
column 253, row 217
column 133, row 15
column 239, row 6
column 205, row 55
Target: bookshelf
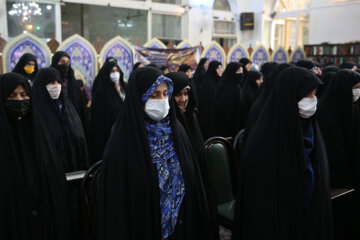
column 333, row 53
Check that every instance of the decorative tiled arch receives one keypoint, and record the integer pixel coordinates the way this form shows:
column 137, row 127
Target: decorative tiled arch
column 260, row 55
column 214, row 52
column 237, row 52
column 155, row 43
column 83, row 56
column 25, row 43
column 184, row 44
column 120, row 49
column 280, row 55
column 298, row 54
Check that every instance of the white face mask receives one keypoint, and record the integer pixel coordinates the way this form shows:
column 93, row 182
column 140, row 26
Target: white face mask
column 356, row 94
column 115, row 76
column 157, row 109
column 307, row 107
column 54, row 90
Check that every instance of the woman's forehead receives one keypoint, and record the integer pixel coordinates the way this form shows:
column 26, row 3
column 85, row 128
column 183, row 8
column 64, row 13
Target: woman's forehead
column 163, row 86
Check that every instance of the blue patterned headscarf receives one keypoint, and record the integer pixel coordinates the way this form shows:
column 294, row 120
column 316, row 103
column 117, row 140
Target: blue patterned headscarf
column 163, row 154
column 158, row 81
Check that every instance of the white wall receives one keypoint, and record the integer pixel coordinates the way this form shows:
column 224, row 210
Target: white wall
column 3, row 20
column 334, row 21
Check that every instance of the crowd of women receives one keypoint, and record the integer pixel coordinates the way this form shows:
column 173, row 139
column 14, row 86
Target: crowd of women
column 301, row 139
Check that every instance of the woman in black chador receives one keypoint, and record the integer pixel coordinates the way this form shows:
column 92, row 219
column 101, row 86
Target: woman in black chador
column 27, row 66
column 339, row 121
column 64, row 127
column 186, row 113
column 61, row 119
column 252, row 82
column 206, row 98
column 32, row 182
column 283, row 190
column 151, row 186
column 263, row 94
column 106, row 103
column 61, row 62
column 229, row 102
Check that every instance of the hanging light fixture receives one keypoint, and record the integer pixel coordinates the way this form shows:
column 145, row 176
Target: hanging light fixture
column 25, row 10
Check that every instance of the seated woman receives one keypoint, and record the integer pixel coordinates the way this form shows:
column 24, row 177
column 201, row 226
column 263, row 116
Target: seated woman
column 27, row 66
column 32, row 184
column 108, row 96
column 151, row 186
column 283, row 190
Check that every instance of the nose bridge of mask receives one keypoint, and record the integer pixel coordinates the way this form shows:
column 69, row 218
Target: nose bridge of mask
column 356, row 94
column 29, row 69
column 157, row 109
column 54, row 90
column 307, row 107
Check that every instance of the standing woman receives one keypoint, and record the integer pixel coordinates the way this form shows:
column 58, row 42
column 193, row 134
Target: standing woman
column 200, row 72
column 229, row 102
column 186, row 113
column 65, row 128
column 252, row 82
column 283, row 190
column 27, row 66
column 32, row 184
column 207, row 98
column 106, row 103
column 339, row 119
column 61, row 62
column 155, row 191
column 61, row 119
column 262, row 97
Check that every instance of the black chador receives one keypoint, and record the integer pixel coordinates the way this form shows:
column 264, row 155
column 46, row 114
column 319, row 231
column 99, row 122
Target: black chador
column 283, row 189
column 32, row 182
column 105, row 107
column 339, row 120
column 23, row 68
column 140, row 158
column 70, row 87
column 207, row 99
column 229, row 103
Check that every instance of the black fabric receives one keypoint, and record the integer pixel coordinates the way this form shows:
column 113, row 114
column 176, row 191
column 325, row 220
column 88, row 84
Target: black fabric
column 347, row 65
column 184, row 68
column 136, row 65
column 262, row 97
column 269, row 201
column 229, row 103
column 339, row 121
column 129, row 204
column 206, row 98
column 100, row 74
column 64, row 127
column 330, row 68
column 199, row 75
column 325, row 78
column 69, row 84
column 249, row 91
column 267, row 68
column 105, row 107
column 32, row 183
column 244, row 62
column 66, row 131
column 189, row 121
column 19, row 68
column 306, row 64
